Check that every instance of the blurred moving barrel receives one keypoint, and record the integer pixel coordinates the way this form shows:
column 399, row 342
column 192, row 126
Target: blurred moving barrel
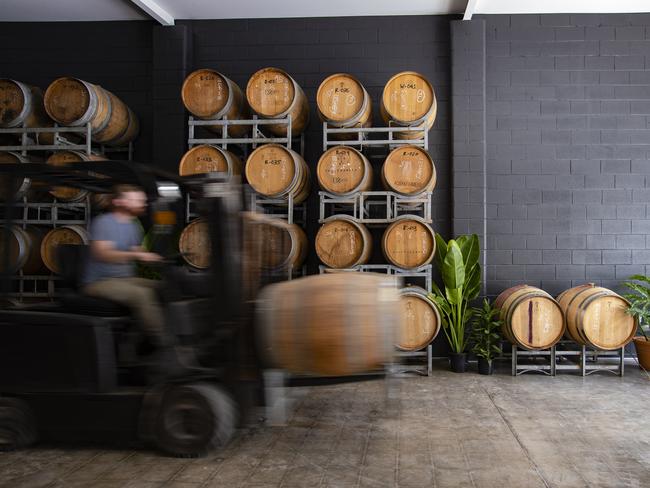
column 343, row 102
column 409, row 242
column 63, row 158
column 194, row 244
column 343, row 170
column 67, row 234
column 421, row 319
column 209, row 95
column 74, row 102
column 597, row 317
column 342, row 242
column 209, row 159
column 532, row 319
column 335, row 324
column 276, row 172
column 24, row 249
column 409, row 100
column 21, row 105
column 409, row 170
column 273, row 94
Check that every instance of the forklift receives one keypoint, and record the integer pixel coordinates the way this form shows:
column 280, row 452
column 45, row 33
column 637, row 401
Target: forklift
column 72, row 368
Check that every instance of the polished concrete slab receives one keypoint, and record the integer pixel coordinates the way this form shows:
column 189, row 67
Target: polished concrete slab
column 447, row 430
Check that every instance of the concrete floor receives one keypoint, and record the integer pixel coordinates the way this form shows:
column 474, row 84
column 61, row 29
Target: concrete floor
column 450, row 430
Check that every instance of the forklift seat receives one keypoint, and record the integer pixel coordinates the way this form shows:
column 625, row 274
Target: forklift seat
column 72, row 259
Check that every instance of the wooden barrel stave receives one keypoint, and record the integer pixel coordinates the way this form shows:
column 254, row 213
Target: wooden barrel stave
column 409, row 242
column 342, row 242
column 342, row 170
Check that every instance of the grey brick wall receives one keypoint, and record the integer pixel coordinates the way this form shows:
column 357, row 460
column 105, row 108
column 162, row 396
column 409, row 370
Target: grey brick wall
column 568, row 144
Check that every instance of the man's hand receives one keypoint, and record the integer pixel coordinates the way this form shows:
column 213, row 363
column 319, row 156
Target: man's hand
column 148, row 257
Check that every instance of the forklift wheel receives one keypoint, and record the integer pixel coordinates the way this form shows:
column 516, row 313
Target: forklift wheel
column 194, row 419
column 17, row 424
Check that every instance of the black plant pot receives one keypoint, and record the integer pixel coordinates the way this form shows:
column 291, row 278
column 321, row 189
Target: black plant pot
column 485, row 366
column 458, row 362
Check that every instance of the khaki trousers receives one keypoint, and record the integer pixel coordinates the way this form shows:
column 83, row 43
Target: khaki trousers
column 139, row 295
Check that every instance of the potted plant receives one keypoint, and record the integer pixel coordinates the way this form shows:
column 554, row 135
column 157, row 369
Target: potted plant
column 640, row 309
column 485, row 335
column 458, row 262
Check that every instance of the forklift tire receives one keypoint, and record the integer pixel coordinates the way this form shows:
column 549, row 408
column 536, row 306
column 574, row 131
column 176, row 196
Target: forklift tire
column 194, row 419
column 17, row 424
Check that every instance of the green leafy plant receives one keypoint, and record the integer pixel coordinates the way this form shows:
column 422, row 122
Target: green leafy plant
column 639, row 302
column 458, row 262
column 485, row 335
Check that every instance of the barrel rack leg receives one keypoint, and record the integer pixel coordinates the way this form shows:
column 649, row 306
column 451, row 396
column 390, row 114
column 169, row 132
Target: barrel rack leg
column 275, row 394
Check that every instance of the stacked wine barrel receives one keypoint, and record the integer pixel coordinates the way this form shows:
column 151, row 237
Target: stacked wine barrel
column 408, row 242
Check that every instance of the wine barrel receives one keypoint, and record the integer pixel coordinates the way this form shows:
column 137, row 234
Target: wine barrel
column 276, row 172
column 283, row 245
column 273, row 94
column 342, row 242
column 74, row 102
column 67, row 234
column 409, row 242
column 24, row 249
column 63, row 158
column 409, row 170
column 409, row 100
column 531, row 318
column 18, row 186
column 421, row 320
column 21, row 105
column 343, row 170
column 209, row 95
column 209, row 159
column 597, row 317
column 336, row 324
column 343, row 102
column 194, row 244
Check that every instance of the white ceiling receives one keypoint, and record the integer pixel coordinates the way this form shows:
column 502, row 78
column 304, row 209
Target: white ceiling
column 88, row 10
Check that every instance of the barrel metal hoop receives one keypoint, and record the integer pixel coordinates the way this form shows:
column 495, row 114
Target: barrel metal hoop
column 586, row 288
column 229, row 103
column 27, row 105
column 107, row 120
column 93, row 101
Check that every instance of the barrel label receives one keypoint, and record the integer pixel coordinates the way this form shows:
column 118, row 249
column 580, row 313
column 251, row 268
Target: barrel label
column 409, row 153
column 206, row 77
column 409, row 227
column 275, row 162
column 410, row 84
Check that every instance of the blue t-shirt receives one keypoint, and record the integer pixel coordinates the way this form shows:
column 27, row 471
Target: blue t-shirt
column 124, row 236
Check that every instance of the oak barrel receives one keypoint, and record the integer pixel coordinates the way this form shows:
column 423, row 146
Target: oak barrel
column 63, row 158
column 342, row 170
column 67, row 234
column 335, row 324
column 343, row 102
column 409, row 170
column 342, row 242
column 21, row 105
column 409, row 100
column 421, row 319
column 194, row 244
column 409, row 242
column 596, row 316
column 18, row 186
column 24, row 249
column 209, row 95
column 273, row 94
column 74, row 102
column 209, row 159
column 276, row 172
column 283, row 245
column 532, row 319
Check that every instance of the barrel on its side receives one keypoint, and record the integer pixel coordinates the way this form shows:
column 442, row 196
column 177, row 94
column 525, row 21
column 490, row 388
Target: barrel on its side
column 209, row 95
column 63, row 158
column 420, row 319
column 336, row 324
column 18, row 186
column 209, row 159
column 194, row 244
column 596, row 316
column 277, row 172
column 21, row 105
column 24, row 249
column 342, row 170
column 281, row 245
column 409, row 242
column 67, row 234
column 343, row 102
column 342, row 242
column 409, row 100
column 532, row 319
column 409, row 170
column 273, row 94
column 74, row 102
